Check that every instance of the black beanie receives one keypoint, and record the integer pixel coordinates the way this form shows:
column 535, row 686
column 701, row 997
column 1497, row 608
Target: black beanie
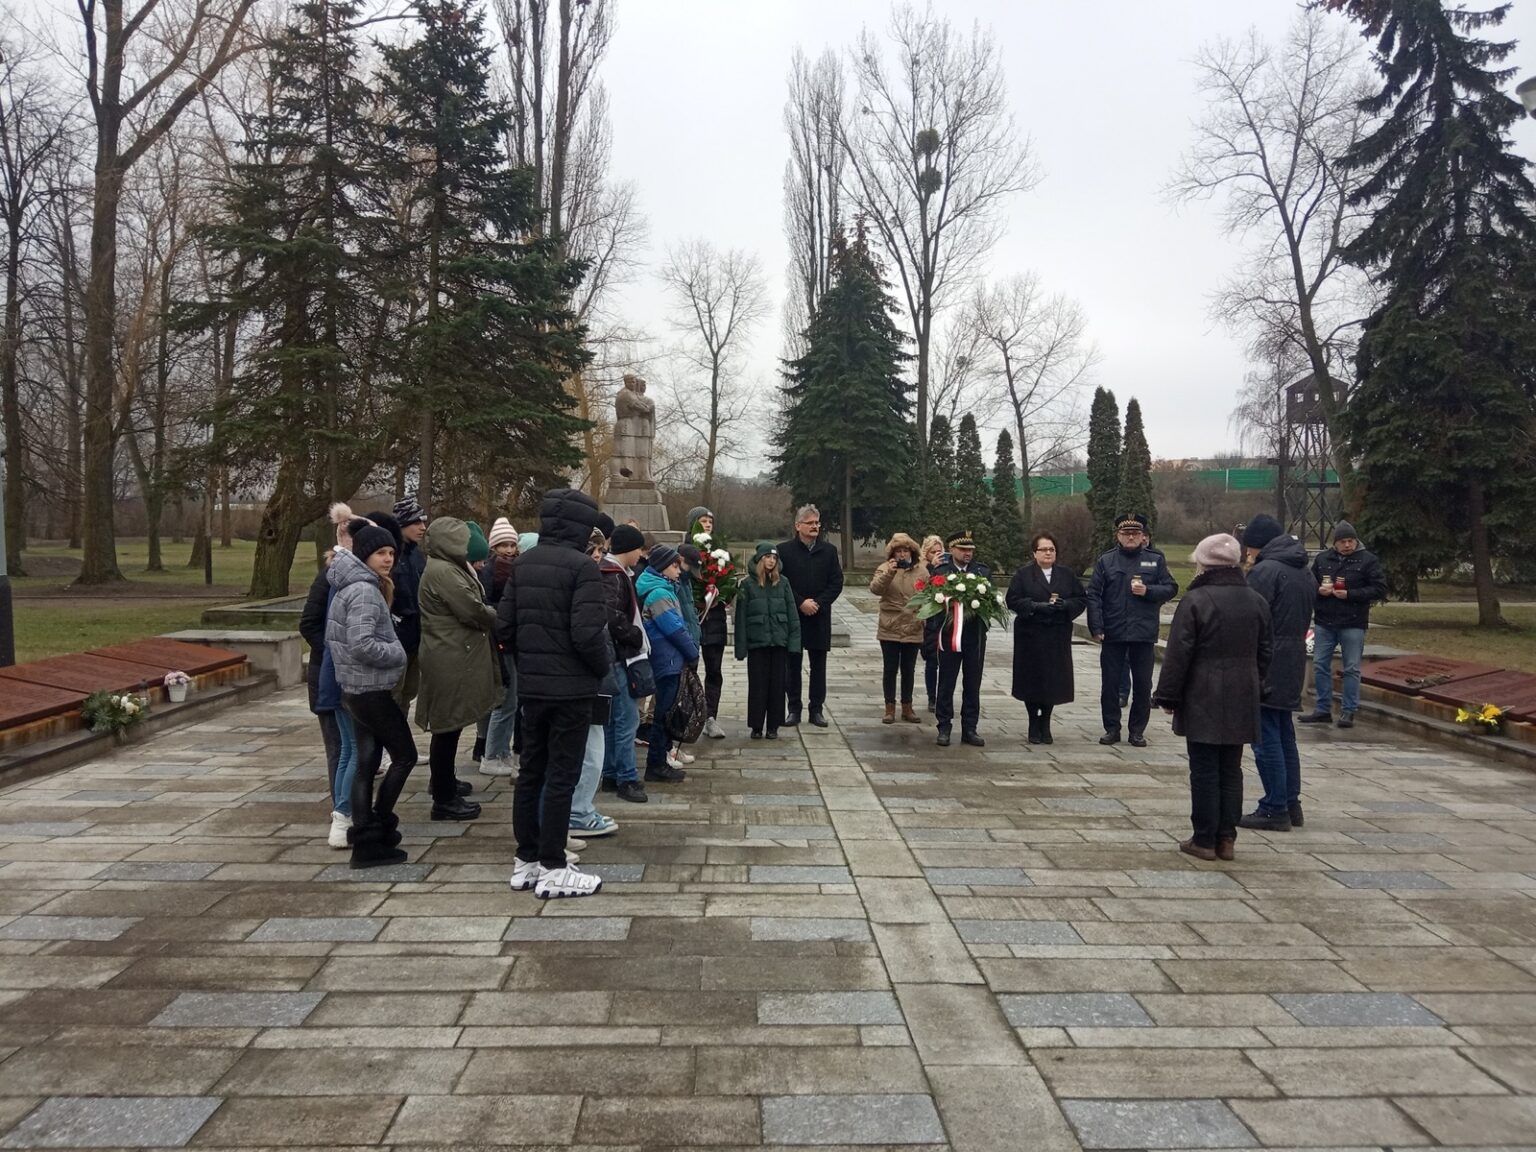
column 387, row 522
column 369, row 541
column 690, row 553
column 625, row 538
column 1344, row 530
column 605, row 525
column 1261, row 530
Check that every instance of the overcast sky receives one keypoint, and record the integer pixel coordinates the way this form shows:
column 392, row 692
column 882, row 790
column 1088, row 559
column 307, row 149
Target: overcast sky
column 1104, row 90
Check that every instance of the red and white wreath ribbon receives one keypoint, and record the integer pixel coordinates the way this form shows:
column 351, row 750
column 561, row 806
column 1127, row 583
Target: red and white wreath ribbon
column 958, row 624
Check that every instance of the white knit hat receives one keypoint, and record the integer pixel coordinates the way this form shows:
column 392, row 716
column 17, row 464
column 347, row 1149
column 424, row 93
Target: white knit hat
column 502, row 532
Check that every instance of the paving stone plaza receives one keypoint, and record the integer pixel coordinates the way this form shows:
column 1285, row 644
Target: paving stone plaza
column 848, row 937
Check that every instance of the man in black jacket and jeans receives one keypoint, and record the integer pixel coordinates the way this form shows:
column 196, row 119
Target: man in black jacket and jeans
column 553, row 621
column 1349, row 580
column 815, row 576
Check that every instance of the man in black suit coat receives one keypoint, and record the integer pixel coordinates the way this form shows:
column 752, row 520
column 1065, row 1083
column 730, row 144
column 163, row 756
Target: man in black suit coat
column 963, row 663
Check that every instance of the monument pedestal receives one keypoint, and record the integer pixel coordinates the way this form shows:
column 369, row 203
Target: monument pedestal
column 640, row 502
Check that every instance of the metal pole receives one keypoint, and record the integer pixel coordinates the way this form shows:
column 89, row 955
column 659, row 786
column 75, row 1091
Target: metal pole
column 7, row 624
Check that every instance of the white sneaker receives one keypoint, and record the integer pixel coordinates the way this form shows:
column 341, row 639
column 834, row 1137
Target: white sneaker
column 568, row 881
column 339, row 826
column 571, row 857
column 525, row 874
column 575, row 844
column 500, row 766
column 713, row 730
column 678, row 758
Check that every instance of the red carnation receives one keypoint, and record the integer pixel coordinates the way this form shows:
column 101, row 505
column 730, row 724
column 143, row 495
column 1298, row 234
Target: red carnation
column 938, row 581
column 919, row 585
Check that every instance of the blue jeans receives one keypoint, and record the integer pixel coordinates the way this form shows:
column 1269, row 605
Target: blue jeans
column 498, row 734
column 346, row 764
column 1351, row 643
column 619, row 732
column 1279, row 764
column 660, row 742
column 591, row 774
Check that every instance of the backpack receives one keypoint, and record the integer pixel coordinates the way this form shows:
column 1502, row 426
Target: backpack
column 686, row 719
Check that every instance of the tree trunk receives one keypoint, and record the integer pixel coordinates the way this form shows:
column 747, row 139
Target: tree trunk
column 847, row 512
column 74, row 453
column 1489, row 614
column 10, row 402
column 199, row 546
column 226, row 531
column 282, row 524
column 562, row 140
column 99, row 564
column 1029, row 496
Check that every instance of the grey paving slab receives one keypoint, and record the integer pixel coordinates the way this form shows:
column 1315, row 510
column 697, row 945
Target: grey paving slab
column 1358, row 1009
column 113, row 1122
column 980, row 877
column 66, row 927
column 573, row 928
column 18, row 829
column 1075, row 1010
column 781, row 800
column 828, row 1008
column 300, row 929
column 808, row 928
column 1017, row 932
column 615, row 873
column 238, row 1009
column 863, row 1119
column 790, row 832
column 1420, row 881
column 389, row 874
column 1157, row 1124
column 798, row 874
column 1180, row 878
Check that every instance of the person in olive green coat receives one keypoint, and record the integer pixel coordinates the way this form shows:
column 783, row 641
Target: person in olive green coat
column 460, row 680
column 767, row 635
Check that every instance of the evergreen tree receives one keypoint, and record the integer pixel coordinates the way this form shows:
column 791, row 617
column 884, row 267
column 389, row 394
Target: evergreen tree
column 973, row 497
column 301, row 251
column 1103, row 466
column 1134, row 491
column 1441, row 415
column 940, row 507
column 1010, row 544
column 846, row 442
column 492, row 341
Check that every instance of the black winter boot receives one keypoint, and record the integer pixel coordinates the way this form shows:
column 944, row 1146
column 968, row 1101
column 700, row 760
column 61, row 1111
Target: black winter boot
column 370, row 850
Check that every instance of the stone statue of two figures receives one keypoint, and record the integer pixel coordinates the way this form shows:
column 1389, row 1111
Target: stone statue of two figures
column 631, row 495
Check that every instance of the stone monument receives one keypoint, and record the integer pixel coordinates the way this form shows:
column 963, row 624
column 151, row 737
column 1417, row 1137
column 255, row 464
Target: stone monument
column 631, row 493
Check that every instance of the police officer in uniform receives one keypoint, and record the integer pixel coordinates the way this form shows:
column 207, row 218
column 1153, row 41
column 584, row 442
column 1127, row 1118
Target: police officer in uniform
column 965, row 662
column 1130, row 583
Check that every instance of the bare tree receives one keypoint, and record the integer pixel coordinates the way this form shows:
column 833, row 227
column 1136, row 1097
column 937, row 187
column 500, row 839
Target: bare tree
column 958, row 384
column 1038, row 356
column 717, row 298
column 933, row 154
column 143, row 67
column 1277, row 123
column 32, row 126
column 813, row 177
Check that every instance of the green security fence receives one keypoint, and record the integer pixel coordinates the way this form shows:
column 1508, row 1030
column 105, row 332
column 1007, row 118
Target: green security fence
column 1227, row 479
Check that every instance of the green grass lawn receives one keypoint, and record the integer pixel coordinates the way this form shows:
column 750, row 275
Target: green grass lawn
column 45, row 628
column 1451, row 630
column 231, row 566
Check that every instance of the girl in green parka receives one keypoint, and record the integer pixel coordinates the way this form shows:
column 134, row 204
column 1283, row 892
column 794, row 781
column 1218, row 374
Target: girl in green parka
column 767, row 635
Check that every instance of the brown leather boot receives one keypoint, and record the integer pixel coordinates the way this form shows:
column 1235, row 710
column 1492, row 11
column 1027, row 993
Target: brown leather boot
column 910, row 715
column 1226, row 849
column 890, row 714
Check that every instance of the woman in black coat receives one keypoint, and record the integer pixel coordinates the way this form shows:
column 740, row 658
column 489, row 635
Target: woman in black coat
column 1219, row 648
column 1045, row 597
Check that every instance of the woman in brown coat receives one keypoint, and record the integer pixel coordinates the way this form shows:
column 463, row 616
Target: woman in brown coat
column 1219, row 647
column 900, row 632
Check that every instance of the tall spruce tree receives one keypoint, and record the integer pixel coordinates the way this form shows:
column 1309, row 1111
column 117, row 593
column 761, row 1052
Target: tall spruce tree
column 1441, row 417
column 1134, row 491
column 940, row 506
column 847, row 442
column 1103, row 466
column 973, row 497
column 1009, row 545
column 305, row 264
column 493, row 340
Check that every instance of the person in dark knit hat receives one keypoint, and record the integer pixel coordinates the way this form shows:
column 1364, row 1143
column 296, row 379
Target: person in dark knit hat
column 620, row 774
column 1278, row 572
column 410, row 567
column 672, row 649
column 1349, row 580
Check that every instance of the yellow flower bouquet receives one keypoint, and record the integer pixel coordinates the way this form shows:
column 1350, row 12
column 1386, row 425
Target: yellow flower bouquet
column 1486, row 718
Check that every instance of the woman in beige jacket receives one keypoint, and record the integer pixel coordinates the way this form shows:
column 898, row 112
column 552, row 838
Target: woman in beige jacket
column 900, row 632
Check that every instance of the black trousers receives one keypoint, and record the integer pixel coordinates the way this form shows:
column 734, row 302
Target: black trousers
column 714, row 679
column 765, row 688
column 898, row 657
column 1039, row 718
column 1115, row 657
column 1215, row 791
column 792, row 681
column 554, row 745
column 444, row 785
column 378, row 724
column 964, row 666
column 931, row 675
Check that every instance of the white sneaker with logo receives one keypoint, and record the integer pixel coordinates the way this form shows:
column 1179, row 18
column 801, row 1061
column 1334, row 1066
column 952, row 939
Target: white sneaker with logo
column 568, row 881
column 500, row 766
column 525, row 874
column 339, row 826
column 713, row 730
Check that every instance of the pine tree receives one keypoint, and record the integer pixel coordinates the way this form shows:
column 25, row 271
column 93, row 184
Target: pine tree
column 940, row 506
column 493, row 340
column 847, row 442
column 973, row 497
column 1134, row 491
column 302, row 263
column 1009, row 546
column 1442, row 412
column 1103, row 466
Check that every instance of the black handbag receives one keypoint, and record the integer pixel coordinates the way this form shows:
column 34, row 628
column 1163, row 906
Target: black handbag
column 685, row 722
column 642, row 680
